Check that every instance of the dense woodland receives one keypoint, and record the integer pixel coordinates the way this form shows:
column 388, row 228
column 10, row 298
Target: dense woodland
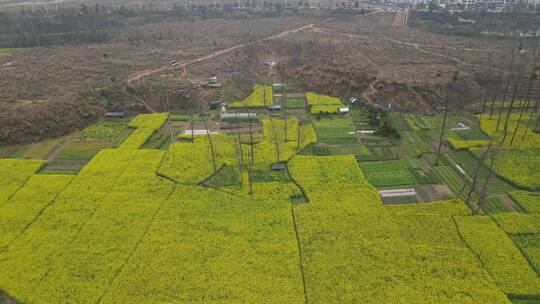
column 93, row 24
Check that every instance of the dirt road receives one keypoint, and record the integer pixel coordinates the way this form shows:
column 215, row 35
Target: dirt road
column 419, row 47
column 185, row 63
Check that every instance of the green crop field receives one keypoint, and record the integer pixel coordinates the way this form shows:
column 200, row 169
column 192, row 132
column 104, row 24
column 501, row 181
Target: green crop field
column 336, row 137
column 470, row 164
column 389, row 173
column 417, row 122
column 495, row 204
column 91, row 140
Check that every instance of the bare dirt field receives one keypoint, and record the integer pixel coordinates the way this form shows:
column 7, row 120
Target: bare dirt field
column 49, row 91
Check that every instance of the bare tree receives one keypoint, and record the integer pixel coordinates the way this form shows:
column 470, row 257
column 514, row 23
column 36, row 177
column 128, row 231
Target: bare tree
column 532, row 118
column 211, row 146
column 483, row 191
column 510, row 108
column 509, row 81
column 495, row 95
column 454, row 78
column 532, row 79
column 275, row 138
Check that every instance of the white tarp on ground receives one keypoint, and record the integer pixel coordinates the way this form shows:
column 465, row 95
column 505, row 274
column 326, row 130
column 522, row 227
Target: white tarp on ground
column 461, row 170
column 397, row 192
column 199, row 132
column 462, row 127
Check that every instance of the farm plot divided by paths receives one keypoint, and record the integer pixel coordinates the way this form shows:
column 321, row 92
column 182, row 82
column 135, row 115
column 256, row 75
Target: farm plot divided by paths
column 349, row 244
column 188, row 62
column 120, row 232
column 226, row 250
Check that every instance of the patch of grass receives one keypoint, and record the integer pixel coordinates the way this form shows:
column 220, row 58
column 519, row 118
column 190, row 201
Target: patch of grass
column 12, row 151
column 336, row 136
column 293, row 102
column 4, row 52
column 450, row 177
column 388, row 173
column 42, row 149
column 397, row 122
column 417, row 122
column 158, row 140
column 471, row 135
column 104, row 134
column 414, row 144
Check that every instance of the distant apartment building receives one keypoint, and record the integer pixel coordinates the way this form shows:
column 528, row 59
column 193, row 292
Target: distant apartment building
column 472, row 4
column 495, row 4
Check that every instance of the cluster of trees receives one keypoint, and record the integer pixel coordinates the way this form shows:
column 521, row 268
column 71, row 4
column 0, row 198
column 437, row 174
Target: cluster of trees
column 515, row 22
column 42, row 27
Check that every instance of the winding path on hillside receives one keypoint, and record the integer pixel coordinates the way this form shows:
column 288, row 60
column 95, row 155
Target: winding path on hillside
column 187, row 62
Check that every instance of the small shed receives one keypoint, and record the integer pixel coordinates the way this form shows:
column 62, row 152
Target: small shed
column 115, row 114
column 274, row 108
column 343, row 111
column 279, row 166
